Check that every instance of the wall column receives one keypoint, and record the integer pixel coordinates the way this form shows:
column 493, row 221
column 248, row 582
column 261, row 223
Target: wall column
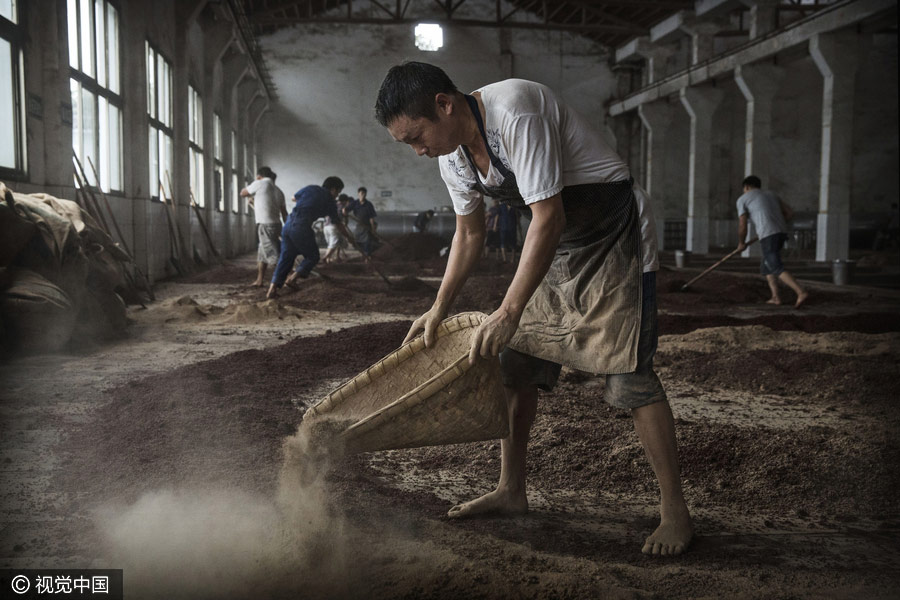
column 758, row 85
column 656, row 117
column 656, row 55
column 763, row 17
column 835, row 54
column 700, row 104
column 701, row 33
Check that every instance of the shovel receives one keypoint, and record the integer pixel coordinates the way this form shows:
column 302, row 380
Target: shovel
column 709, row 269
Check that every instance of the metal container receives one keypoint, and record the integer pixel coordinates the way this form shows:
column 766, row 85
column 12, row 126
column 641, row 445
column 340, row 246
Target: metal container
column 842, row 271
column 682, row 258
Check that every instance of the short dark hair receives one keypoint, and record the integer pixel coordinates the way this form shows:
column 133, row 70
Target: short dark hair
column 362, row 189
column 752, row 181
column 333, row 183
column 266, row 172
column 408, row 90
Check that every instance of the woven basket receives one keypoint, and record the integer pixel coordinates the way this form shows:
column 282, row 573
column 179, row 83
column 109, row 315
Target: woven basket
column 418, row 396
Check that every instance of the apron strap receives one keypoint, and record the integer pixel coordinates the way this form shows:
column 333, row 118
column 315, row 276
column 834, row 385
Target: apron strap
column 498, row 164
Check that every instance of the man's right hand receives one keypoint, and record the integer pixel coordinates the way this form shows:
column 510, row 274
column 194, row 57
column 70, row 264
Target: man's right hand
column 427, row 323
column 741, row 246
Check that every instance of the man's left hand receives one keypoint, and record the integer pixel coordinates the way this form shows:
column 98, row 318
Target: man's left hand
column 741, row 247
column 493, row 335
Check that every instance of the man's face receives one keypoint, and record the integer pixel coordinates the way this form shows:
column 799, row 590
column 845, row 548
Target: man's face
column 428, row 138
column 361, row 194
column 335, row 192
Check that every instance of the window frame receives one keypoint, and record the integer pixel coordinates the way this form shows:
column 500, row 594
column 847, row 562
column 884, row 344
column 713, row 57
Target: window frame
column 196, row 154
column 153, row 110
column 13, row 32
column 100, row 88
column 235, row 178
column 218, row 163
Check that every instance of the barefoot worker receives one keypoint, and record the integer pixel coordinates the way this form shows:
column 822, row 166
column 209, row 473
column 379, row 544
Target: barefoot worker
column 270, row 210
column 769, row 214
column 297, row 237
column 584, row 292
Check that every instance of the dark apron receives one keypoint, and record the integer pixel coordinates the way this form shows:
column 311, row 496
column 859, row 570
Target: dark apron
column 586, row 312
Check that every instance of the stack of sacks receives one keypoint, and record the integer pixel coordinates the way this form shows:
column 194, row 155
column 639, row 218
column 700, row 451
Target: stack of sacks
column 62, row 278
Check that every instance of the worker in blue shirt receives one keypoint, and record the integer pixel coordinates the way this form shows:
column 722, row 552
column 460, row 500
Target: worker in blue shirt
column 297, row 237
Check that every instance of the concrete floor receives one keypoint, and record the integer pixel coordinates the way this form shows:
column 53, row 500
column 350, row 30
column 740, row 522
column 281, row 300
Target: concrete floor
column 45, row 398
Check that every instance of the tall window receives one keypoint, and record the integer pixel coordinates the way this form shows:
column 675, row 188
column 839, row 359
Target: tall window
column 12, row 142
column 95, row 88
column 219, row 180
column 159, row 108
column 195, row 139
column 249, row 174
column 235, row 187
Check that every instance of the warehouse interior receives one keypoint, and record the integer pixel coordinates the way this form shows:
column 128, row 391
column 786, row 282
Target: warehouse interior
column 151, row 395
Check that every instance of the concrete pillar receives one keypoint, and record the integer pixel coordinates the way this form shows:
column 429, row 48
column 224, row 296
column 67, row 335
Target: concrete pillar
column 701, row 33
column 763, row 17
column 700, row 104
column 657, row 57
column 656, row 117
column 758, row 85
column 836, row 56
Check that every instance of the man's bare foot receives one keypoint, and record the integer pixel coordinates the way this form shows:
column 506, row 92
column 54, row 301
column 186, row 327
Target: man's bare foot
column 773, row 301
column 671, row 538
column 801, row 298
column 257, row 283
column 273, row 291
column 498, row 502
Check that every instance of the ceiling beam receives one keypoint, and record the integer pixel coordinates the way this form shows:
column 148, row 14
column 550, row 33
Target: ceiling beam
column 579, row 28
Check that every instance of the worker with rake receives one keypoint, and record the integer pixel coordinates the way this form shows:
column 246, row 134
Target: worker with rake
column 584, row 292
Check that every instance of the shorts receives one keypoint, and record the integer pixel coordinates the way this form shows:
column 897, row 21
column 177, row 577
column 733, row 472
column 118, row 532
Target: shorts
column 269, row 244
column 771, row 254
column 625, row 390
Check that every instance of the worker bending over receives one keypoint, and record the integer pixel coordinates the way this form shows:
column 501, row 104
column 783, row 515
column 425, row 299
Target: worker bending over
column 584, row 291
column 297, row 237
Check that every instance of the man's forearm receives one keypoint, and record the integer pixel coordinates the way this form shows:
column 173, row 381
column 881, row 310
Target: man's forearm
column 465, row 251
column 742, row 229
column 537, row 256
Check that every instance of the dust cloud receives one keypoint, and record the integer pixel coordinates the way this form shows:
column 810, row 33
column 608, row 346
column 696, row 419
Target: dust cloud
column 227, row 543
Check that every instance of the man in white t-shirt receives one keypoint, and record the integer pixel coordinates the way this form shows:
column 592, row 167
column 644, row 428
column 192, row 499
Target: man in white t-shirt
column 584, row 292
column 769, row 215
column 270, row 210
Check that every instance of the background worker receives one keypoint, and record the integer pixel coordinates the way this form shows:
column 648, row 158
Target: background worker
column 333, row 240
column 420, row 225
column 770, row 215
column 268, row 205
column 366, row 227
column 492, row 229
column 508, row 224
column 297, row 237
column 584, row 291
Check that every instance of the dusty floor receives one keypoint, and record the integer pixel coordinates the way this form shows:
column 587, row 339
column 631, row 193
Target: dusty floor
column 161, row 453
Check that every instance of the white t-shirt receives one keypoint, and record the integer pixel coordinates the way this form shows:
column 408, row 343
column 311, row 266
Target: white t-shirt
column 267, row 201
column 548, row 146
column 764, row 208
